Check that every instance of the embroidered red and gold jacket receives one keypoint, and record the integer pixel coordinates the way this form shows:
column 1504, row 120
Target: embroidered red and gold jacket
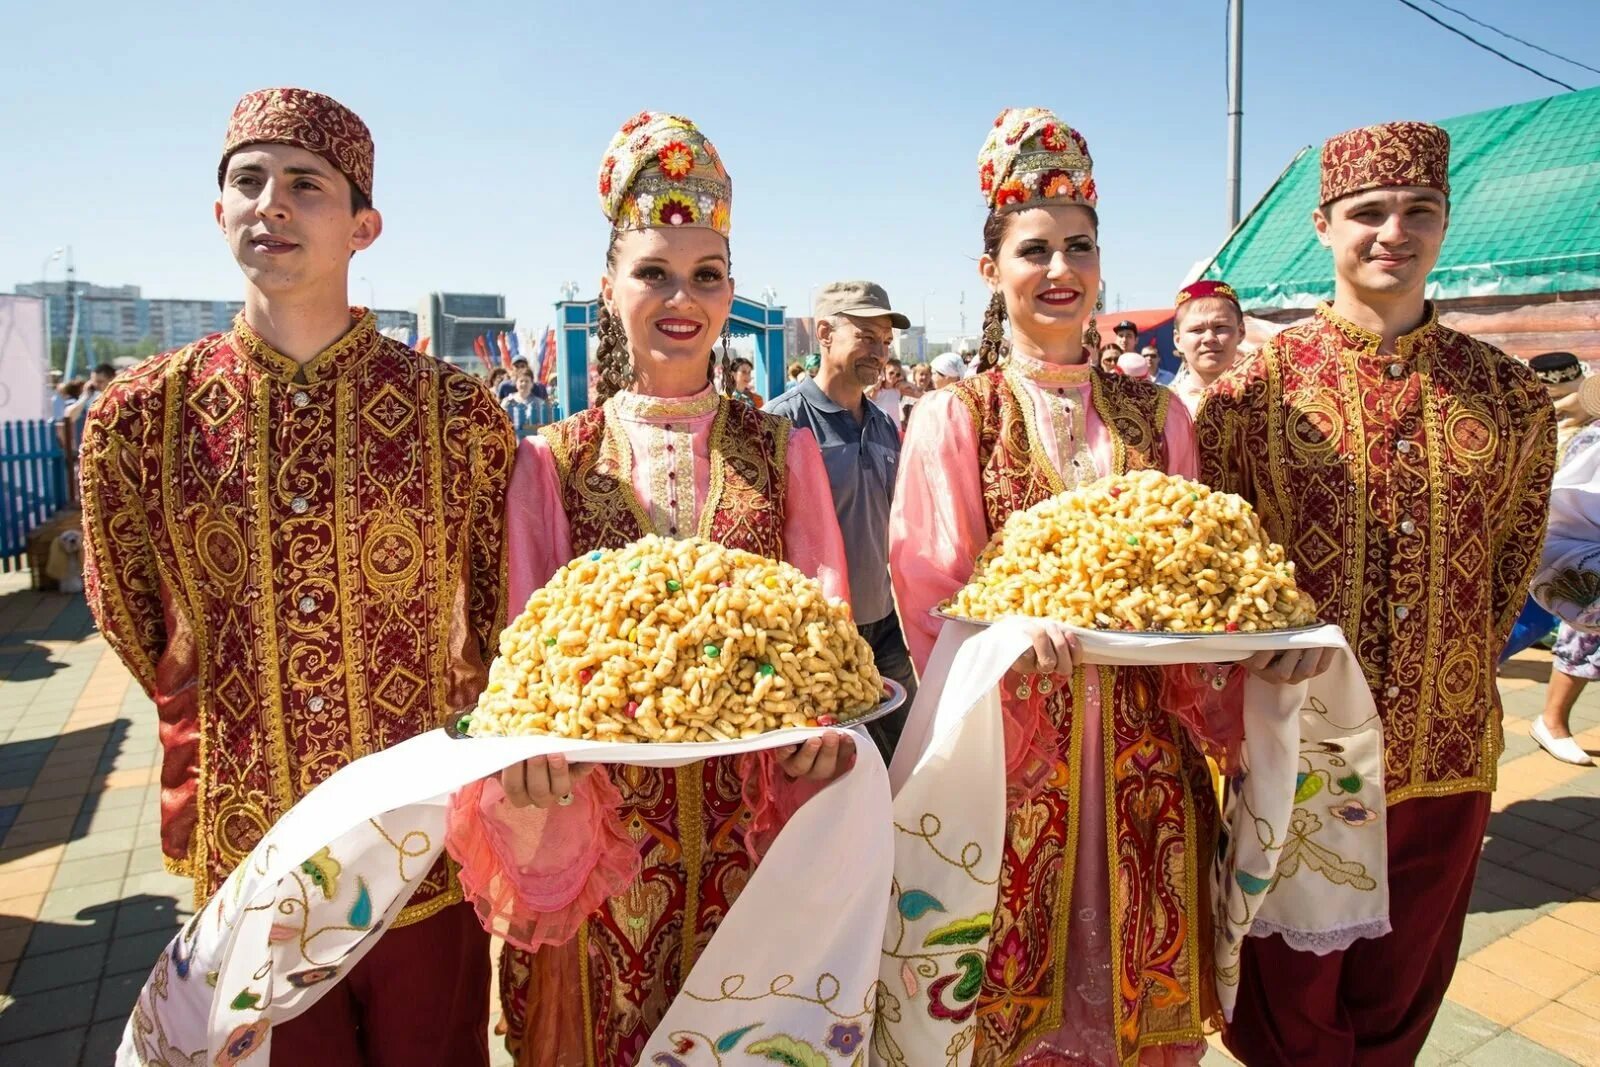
column 1411, row 491
column 300, row 565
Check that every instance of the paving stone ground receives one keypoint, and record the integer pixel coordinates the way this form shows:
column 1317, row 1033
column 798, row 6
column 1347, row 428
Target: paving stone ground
column 85, row 906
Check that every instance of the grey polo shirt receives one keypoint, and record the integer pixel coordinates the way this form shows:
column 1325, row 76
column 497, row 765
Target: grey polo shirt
column 861, row 458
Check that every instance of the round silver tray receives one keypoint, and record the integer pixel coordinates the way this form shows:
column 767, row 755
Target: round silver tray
column 940, row 613
column 894, row 696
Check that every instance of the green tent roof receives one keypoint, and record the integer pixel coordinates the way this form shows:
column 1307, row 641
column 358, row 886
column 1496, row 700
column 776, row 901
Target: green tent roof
column 1524, row 212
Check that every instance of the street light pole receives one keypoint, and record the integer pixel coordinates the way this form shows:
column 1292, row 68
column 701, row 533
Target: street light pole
column 1235, row 106
column 44, row 294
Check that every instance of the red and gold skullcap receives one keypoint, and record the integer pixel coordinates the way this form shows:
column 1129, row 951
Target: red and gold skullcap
column 1031, row 157
column 1202, row 289
column 1377, row 157
column 660, row 171
column 305, row 119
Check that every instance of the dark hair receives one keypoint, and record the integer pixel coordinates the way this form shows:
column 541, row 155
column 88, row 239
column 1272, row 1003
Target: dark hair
column 740, row 362
column 991, row 348
column 359, row 201
column 612, row 359
column 107, row 369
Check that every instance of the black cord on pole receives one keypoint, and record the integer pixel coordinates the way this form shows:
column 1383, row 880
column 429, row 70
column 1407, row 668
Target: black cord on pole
column 1514, row 37
column 1487, row 48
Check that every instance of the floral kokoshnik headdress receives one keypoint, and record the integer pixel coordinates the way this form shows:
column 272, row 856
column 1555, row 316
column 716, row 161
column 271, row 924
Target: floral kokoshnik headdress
column 660, row 171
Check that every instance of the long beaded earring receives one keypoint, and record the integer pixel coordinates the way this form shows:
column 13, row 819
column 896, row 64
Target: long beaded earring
column 1091, row 332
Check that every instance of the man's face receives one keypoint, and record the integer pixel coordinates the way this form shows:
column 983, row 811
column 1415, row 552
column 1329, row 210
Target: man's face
column 1128, row 339
column 99, row 380
column 856, row 345
column 524, row 385
column 1384, row 241
column 1208, row 333
column 286, row 215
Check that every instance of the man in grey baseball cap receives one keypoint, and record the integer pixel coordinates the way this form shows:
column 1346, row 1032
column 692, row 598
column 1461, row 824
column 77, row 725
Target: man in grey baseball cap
column 861, row 449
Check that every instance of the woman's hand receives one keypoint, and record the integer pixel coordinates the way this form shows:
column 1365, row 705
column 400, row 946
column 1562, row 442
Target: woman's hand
column 820, row 759
column 543, row 781
column 1054, row 651
column 1291, row 666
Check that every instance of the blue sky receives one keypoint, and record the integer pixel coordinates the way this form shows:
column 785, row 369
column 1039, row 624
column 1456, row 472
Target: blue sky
column 850, row 128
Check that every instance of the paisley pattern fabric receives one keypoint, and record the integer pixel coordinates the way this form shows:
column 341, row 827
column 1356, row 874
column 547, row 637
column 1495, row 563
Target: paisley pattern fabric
column 301, row 566
column 304, row 119
column 1411, row 490
column 630, row 958
column 1161, row 822
column 1395, row 153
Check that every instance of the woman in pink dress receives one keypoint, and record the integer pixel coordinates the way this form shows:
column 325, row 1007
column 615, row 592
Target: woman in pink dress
column 1100, row 948
column 617, row 879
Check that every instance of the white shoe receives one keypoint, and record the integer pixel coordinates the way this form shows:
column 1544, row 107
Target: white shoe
column 1565, row 749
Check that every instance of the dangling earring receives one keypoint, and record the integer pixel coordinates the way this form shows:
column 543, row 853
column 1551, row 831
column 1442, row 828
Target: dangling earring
column 1091, row 332
column 994, row 331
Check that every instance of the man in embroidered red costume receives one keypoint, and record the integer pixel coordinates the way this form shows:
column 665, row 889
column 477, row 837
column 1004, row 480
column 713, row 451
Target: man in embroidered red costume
column 1406, row 469
column 295, row 541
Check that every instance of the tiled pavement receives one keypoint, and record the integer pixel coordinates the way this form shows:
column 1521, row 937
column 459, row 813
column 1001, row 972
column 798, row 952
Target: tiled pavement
column 85, row 906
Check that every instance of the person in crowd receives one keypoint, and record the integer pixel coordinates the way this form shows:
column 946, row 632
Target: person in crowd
column 507, row 383
column 1126, row 335
column 336, row 584
column 1562, row 375
column 1207, row 326
column 1110, row 353
column 88, row 393
column 1577, row 648
column 1152, row 359
column 861, row 449
column 1071, row 973
column 891, row 390
column 742, row 384
column 654, row 858
column 947, row 369
column 1406, row 469
column 922, row 378
column 797, row 371
column 524, row 407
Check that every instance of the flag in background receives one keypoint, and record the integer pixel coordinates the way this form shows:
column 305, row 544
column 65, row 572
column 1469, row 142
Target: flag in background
column 516, row 349
column 422, row 345
column 547, row 355
column 481, row 348
column 505, row 351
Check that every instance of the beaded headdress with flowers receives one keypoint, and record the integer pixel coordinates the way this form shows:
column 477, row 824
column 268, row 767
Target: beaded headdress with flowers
column 1032, row 157
column 660, row 171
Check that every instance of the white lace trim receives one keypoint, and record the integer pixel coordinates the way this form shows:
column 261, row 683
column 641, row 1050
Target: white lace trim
column 1322, row 942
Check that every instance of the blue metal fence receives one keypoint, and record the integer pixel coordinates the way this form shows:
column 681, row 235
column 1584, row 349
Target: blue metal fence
column 33, row 485
column 538, row 413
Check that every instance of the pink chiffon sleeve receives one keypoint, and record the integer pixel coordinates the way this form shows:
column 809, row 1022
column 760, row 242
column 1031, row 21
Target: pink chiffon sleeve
column 811, row 538
column 533, row 875
column 936, row 525
column 937, row 529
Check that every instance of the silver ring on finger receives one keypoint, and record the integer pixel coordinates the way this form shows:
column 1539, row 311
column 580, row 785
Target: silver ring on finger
column 564, row 799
